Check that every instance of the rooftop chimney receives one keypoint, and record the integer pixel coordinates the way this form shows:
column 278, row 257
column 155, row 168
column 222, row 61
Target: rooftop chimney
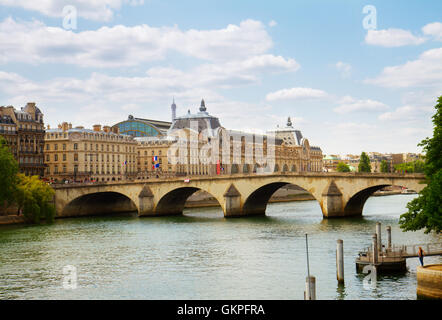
column 106, row 129
column 64, row 126
column 97, row 127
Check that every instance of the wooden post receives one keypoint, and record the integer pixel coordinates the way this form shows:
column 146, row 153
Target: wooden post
column 378, row 234
column 374, row 249
column 340, row 261
column 388, row 237
column 310, row 288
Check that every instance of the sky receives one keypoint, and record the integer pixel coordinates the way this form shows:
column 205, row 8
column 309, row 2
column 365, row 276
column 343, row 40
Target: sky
column 353, row 75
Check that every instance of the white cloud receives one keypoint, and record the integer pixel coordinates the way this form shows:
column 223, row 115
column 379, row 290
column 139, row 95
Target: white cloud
column 272, row 23
column 406, row 113
column 425, row 71
column 344, row 68
column 348, row 104
column 99, row 10
column 433, row 29
column 296, row 94
column 34, row 42
column 392, row 38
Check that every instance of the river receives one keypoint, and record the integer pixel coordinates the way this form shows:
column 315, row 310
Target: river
column 202, row 255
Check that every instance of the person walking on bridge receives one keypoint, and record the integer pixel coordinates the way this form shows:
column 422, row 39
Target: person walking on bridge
column 420, row 253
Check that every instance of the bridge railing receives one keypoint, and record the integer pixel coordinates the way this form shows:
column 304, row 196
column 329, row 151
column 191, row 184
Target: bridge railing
column 399, row 252
column 412, row 249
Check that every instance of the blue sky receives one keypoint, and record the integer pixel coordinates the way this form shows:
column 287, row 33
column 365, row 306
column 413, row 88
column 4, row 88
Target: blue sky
column 349, row 88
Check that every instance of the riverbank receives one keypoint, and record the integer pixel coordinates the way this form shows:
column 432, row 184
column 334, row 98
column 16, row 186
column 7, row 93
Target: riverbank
column 12, row 219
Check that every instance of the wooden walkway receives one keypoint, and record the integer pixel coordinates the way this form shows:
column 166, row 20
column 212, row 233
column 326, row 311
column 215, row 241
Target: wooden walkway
column 401, row 252
column 410, row 251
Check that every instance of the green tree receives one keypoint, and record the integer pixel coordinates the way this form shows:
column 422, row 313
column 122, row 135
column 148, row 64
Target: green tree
column 385, row 167
column 34, row 197
column 8, row 174
column 417, row 166
column 364, row 163
column 342, row 167
column 425, row 211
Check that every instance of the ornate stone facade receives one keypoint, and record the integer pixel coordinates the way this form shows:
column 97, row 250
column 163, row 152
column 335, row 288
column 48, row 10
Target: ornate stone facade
column 197, row 144
column 78, row 154
column 24, row 132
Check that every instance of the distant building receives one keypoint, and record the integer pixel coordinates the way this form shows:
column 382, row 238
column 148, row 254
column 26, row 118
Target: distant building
column 139, row 127
column 79, row 154
column 24, row 132
column 293, row 152
column 330, row 162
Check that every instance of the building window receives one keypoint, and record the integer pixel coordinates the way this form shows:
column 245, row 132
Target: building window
column 64, row 157
column 48, row 158
column 64, row 146
column 75, row 156
column 55, row 157
column 75, row 146
column 55, row 146
column 47, row 147
column 56, row 169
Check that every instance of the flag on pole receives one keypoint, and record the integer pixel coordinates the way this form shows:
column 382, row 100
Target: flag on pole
column 218, row 167
column 155, row 158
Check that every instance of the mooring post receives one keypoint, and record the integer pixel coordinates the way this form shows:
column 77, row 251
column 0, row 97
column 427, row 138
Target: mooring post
column 310, row 283
column 374, row 249
column 378, row 234
column 310, row 288
column 340, row 261
column 388, row 237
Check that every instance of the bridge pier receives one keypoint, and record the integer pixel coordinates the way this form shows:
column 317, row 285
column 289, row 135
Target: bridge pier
column 145, row 202
column 232, row 202
column 332, row 202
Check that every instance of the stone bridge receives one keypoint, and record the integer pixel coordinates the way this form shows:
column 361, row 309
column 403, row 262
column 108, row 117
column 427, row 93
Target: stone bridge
column 339, row 194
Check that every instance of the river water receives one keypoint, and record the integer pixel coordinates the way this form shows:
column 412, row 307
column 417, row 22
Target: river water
column 201, row 255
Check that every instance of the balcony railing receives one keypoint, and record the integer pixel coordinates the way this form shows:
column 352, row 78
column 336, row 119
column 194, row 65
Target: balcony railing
column 8, row 131
column 31, row 130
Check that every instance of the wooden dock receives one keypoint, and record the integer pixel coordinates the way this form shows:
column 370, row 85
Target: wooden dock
column 393, row 259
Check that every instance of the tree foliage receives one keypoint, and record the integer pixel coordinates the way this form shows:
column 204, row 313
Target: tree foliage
column 342, row 167
column 8, row 174
column 34, row 197
column 425, row 211
column 364, row 163
column 385, row 167
column 417, row 166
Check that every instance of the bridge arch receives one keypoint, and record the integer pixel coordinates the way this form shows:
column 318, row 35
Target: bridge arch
column 172, row 203
column 96, row 203
column 256, row 202
column 355, row 204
